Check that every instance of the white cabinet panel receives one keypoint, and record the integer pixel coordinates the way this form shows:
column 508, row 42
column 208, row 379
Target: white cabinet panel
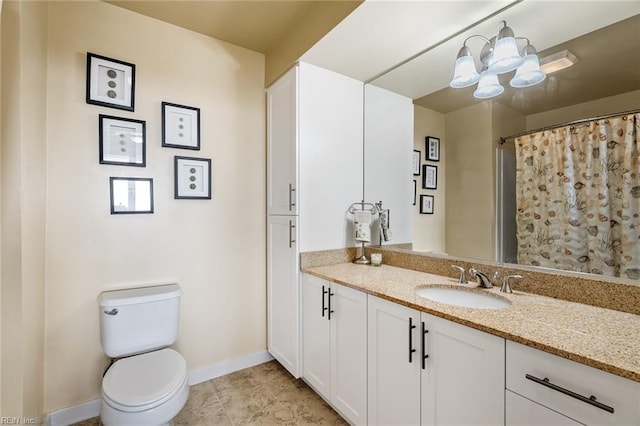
column 394, row 381
column 283, row 292
column 463, row 379
column 282, row 145
column 335, row 345
column 618, row 394
column 523, row 412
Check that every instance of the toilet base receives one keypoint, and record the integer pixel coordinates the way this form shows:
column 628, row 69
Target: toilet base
column 161, row 415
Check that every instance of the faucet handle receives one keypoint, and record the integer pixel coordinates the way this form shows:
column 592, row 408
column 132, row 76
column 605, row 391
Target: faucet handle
column 505, row 283
column 463, row 276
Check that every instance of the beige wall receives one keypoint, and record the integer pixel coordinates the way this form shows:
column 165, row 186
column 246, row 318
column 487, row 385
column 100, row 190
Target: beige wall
column 610, row 105
column 24, row 71
column 214, row 249
column 470, row 205
column 429, row 229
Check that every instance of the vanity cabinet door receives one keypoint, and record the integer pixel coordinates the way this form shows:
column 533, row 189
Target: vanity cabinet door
column 335, row 345
column 463, row 377
column 393, row 371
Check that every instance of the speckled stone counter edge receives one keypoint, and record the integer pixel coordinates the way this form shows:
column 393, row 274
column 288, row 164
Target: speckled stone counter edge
column 587, row 289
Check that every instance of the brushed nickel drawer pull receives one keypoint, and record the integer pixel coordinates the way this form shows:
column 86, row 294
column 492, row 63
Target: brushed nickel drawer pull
column 591, row 400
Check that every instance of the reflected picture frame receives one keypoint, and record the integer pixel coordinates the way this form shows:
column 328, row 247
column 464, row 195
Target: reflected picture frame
column 192, row 178
column 416, row 162
column 131, row 195
column 122, row 141
column 180, row 126
column 426, row 204
column 432, row 148
column 110, row 82
column 429, row 177
column 415, row 191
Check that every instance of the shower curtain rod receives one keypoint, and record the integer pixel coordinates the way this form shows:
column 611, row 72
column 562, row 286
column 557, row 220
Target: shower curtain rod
column 570, row 123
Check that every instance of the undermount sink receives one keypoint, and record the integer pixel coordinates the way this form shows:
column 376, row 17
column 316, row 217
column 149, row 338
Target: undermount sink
column 462, row 297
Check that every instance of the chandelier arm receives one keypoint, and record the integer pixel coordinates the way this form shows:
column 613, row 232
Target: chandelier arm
column 474, row 36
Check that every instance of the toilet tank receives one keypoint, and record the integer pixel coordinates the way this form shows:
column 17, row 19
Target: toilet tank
column 139, row 320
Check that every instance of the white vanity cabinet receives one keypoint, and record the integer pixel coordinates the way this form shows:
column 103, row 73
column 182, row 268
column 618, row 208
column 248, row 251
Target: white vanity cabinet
column 430, row 371
column 314, row 172
column 579, row 392
column 335, row 345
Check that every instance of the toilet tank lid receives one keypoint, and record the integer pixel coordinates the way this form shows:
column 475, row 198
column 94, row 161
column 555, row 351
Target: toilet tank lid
column 139, row 295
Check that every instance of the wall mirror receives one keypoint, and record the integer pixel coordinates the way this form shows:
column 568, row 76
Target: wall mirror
column 131, row 195
column 469, row 220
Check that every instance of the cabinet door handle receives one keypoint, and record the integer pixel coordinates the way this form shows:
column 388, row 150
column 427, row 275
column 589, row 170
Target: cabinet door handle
column 424, row 346
column 591, row 400
column 411, row 350
column 324, row 308
column 291, row 228
column 291, row 203
column 329, row 297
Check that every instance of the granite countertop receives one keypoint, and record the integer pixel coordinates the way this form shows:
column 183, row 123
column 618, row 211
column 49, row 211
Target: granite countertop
column 602, row 338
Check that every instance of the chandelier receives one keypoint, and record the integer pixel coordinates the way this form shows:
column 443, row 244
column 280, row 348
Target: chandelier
column 499, row 55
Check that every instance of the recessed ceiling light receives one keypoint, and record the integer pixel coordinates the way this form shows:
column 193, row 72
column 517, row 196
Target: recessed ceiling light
column 557, row 61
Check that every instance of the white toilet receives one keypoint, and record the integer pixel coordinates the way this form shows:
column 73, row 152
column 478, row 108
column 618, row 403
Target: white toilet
column 147, row 384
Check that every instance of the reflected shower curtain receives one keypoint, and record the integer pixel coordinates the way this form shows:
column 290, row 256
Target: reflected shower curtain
column 578, row 197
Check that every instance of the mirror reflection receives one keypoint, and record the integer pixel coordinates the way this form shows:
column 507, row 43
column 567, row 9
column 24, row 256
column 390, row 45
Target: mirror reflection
column 480, row 179
column 131, row 195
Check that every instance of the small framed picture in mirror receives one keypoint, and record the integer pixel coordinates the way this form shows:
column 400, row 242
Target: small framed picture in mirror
column 180, row 126
column 429, row 177
column 416, row 162
column 192, row 178
column 110, row 82
column 426, row 204
column 131, row 195
column 122, row 141
column 415, row 190
column 432, row 148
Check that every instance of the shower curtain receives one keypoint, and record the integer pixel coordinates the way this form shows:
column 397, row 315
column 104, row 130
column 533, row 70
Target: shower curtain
column 578, row 197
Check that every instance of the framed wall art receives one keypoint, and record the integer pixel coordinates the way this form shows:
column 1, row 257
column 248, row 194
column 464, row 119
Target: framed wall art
column 429, row 177
column 432, row 148
column 110, row 82
column 416, row 162
column 130, row 195
column 415, row 190
column 180, row 126
column 192, row 178
column 122, row 141
column 426, row 204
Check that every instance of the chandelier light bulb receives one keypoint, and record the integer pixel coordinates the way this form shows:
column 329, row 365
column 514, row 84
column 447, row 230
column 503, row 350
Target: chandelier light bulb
column 529, row 73
column 488, row 86
column 464, row 73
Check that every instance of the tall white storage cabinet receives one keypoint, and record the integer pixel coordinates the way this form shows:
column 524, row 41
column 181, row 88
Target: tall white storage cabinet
column 314, row 173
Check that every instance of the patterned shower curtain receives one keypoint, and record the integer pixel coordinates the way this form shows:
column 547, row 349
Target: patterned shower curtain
column 578, row 197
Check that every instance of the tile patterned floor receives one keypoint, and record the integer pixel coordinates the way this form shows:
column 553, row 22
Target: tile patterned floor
column 262, row 395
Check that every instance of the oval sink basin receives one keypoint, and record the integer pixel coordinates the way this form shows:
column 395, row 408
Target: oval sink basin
column 462, row 297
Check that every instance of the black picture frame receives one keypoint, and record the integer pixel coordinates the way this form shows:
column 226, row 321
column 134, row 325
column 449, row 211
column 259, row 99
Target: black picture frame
column 180, row 126
column 426, row 204
column 192, row 178
column 130, row 195
column 110, row 82
column 429, row 176
column 122, row 141
column 416, row 162
column 432, row 148
column 415, row 191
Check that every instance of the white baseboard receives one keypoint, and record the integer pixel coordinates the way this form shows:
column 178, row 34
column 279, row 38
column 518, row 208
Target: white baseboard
column 90, row 409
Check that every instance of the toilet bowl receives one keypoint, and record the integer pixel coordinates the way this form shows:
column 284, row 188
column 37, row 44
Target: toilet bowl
column 147, row 389
column 148, row 383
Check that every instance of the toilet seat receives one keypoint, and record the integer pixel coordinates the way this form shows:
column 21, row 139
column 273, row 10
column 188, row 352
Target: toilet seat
column 142, row 382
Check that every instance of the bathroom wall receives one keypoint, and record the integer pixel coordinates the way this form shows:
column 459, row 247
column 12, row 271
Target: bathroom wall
column 22, row 142
column 215, row 249
column 470, row 185
column 429, row 229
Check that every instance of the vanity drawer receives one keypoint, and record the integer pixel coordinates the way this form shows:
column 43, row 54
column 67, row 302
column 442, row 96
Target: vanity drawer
column 558, row 383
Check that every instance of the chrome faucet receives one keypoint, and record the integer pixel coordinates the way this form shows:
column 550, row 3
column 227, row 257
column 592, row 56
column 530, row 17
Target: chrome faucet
column 505, row 283
column 463, row 276
column 483, row 280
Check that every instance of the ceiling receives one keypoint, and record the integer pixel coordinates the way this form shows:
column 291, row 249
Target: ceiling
column 256, row 25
